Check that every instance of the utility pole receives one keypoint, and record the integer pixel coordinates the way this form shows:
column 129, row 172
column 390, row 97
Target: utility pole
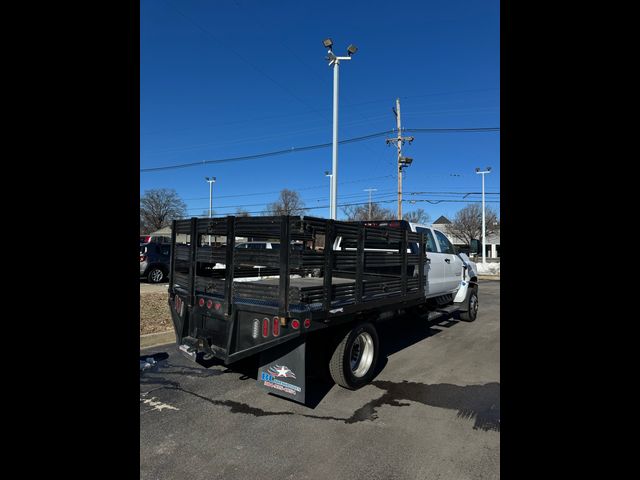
column 370, row 190
column 403, row 162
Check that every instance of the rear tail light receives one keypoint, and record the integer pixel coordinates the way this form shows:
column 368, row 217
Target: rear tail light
column 256, row 328
column 265, row 327
column 201, row 302
column 307, row 323
column 143, row 258
column 276, row 326
column 209, row 304
column 295, row 323
column 217, row 306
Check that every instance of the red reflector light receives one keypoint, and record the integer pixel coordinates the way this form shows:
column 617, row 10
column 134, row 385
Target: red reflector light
column 276, row 326
column 201, row 302
column 209, row 304
column 265, row 327
column 217, row 306
column 307, row 323
column 295, row 323
column 143, row 258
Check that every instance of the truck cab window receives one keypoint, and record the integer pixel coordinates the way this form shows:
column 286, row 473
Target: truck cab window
column 431, row 244
column 445, row 244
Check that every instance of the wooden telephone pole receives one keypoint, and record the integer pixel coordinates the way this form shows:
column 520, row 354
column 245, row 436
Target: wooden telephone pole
column 403, row 162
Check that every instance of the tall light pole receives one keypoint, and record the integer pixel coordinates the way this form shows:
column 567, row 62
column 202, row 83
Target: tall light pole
column 210, row 181
column 330, row 175
column 335, row 62
column 484, row 239
column 370, row 190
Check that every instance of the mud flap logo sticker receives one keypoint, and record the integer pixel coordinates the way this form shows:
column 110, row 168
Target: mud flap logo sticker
column 272, row 382
column 284, row 371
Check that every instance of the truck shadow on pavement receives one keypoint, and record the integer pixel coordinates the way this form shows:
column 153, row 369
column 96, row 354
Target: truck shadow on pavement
column 480, row 403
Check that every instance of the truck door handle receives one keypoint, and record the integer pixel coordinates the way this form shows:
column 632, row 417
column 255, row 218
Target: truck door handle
column 448, row 260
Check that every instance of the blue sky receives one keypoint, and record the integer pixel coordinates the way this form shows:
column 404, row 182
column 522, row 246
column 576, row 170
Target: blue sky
column 238, row 77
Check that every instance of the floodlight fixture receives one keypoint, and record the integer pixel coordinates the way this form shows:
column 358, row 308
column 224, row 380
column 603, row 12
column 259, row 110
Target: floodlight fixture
column 352, row 49
column 328, row 43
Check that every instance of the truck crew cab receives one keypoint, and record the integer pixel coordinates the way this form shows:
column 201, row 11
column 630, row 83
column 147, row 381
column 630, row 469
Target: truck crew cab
column 449, row 274
column 333, row 283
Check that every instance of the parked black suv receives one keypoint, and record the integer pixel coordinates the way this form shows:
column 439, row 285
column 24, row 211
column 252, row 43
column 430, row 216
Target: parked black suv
column 155, row 261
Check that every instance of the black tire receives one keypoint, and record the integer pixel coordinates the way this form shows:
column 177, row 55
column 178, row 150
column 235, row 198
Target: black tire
column 360, row 344
column 471, row 305
column 155, row 275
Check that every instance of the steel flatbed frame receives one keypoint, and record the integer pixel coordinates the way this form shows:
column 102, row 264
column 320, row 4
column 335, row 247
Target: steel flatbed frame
column 215, row 311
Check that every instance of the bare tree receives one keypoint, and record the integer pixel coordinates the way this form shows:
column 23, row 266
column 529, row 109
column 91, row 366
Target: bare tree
column 205, row 213
column 241, row 212
column 417, row 216
column 467, row 224
column 158, row 207
column 361, row 212
column 289, row 203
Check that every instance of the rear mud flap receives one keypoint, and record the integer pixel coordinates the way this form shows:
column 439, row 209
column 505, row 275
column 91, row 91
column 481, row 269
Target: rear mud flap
column 283, row 371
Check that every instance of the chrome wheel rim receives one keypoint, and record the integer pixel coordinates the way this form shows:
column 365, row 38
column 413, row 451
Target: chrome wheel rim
column 361, row 354
column 156, row 275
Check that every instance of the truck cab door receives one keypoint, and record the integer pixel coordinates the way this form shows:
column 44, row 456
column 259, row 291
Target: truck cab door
column 452, row 262
column 434, row 268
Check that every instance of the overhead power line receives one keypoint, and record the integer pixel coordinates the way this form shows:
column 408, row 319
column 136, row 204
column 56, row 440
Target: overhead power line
column 353, row 196
column 364, row 203
column 450, row 130
column 317, row 146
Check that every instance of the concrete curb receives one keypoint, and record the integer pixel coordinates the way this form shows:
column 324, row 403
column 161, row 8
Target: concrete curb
column 156, row 339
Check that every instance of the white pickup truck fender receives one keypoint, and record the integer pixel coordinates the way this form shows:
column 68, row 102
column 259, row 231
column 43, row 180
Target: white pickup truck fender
column 470, row 271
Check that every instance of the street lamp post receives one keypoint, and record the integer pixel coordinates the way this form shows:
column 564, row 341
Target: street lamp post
column 484, row 240
column 330, row 175
column 335, row 62
column 210, row 181
column 370, row 190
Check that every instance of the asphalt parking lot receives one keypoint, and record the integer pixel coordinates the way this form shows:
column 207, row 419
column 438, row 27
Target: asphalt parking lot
column 432, row 412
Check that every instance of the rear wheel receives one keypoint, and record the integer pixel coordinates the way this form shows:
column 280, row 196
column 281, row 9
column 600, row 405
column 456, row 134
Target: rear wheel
column 353, row 362
column 155, row 275
column 471, row 305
